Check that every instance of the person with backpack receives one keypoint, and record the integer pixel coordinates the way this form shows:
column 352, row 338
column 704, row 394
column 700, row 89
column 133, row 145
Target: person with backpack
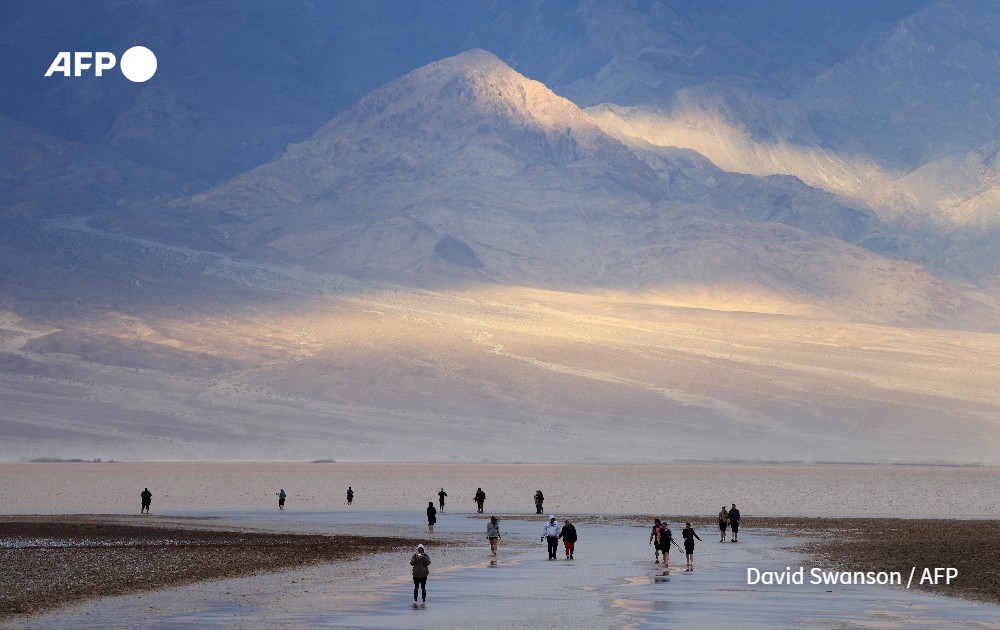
column 480, row 499
column 539, row 499
column 654, row 539
column 281, row 499
column 568, row 534
column 723, row 524
column 688, row 534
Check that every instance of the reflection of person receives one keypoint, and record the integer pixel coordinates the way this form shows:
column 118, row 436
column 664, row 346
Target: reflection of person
column 550, row 533
column 350, row 495
column 688, row 534
column 281, row 499
column 480, row 498
column 734, row 522
column 723, row 524
column 147, row 498
column 493, row 534
column 420, row 563
column 431, row 516
column 539, row 499
column 654, row 539
column 568, row 534
column 441, row 496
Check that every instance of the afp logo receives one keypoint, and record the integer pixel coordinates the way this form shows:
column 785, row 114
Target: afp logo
column 138, row 64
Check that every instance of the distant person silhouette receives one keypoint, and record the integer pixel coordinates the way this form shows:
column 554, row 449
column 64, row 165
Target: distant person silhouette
column 441, row 496
column 689, row 535
column 147, row 498
column 281, row 499
column 734, row 522
column 539, row 500
column 480, row 499
column 431, row 517
column 350, row 495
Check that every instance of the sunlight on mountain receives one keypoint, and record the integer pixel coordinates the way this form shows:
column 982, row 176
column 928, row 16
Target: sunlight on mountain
column 732, row 148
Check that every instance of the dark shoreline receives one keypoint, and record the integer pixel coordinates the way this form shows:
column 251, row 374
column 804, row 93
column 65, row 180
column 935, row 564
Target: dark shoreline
column 900, row 544
column 62, row 560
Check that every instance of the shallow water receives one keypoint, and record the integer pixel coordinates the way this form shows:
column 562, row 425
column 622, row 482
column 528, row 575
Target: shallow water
column 688, row 489
column 612, row 583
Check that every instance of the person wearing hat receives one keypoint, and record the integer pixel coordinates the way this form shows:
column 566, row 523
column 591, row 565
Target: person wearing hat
column 551, row 533
column 420, row 561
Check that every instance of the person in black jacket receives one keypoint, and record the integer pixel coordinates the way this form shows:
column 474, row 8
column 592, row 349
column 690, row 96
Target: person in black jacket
column 539, row 500
column 420, row 562
column 431, row 517
column 147, row 498
column 480, row 499
column 734, row 523
column 568, row 534
column 689, row 535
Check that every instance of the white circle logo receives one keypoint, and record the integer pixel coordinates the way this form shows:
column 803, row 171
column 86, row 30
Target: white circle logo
column 138, row 64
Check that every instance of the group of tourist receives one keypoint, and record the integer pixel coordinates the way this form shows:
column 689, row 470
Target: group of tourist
column 660, row 538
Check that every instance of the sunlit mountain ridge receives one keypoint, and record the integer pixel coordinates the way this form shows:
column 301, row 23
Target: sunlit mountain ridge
column 628, row 232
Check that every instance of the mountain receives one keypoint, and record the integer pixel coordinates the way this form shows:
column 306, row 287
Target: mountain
column 466, row 171
column 761, row 230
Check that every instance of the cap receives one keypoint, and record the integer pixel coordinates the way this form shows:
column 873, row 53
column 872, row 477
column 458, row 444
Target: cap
column 420, row 546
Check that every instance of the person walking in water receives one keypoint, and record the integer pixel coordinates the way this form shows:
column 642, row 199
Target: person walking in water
column 539, row 500
column 493, row 534
column 350, row 495
column 568, row 534
column 420, row 563
column 480, row 499
column 550, row 533
column 147, row 498
column 441, row 496
column 431, row 517
column 281, row 499
column 688, row 534
column 654, row 539
column 723, row 524
column 734, row 523
column 666, row 538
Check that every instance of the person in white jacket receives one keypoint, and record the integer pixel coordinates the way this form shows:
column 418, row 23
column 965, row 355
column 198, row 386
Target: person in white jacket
column 551, row 534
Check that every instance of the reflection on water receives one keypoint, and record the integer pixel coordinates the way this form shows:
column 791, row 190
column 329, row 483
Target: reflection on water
column 806, row 490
